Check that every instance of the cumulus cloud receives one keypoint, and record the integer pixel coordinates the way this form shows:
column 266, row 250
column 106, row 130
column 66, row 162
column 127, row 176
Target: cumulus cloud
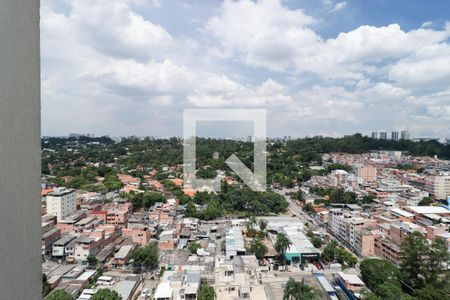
column 427, row 68
column 339, row 6
column 427, row 24
column 287, row 44
column 109, row 68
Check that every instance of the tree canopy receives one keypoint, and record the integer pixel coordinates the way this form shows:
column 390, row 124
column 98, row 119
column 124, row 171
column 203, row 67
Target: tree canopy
column 59, row 294
column 299, row 291
column 257, row 248
column 206, row 292
column 106, row 294
column 282, row 243
column 146, row 256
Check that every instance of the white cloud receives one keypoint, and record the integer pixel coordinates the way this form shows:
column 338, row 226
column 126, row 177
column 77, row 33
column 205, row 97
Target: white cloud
column 339, row 6
column 109, row 69
column 427, row 24
column 259, row 40
column 274, row 39
column 426, row 68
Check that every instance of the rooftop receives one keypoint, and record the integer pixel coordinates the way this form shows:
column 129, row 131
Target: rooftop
column 428, row 210
column 351, row 278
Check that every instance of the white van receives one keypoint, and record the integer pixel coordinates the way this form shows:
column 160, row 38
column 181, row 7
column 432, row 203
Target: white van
column 105, row 280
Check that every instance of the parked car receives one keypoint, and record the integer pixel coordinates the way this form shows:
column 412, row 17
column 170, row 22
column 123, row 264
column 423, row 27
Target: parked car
column 145, row 292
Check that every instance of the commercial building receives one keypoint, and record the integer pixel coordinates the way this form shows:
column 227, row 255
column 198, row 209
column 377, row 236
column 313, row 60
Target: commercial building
column 301, row 249
column 61, row 203
column 234, row 242
column 84, row 246
column 58, row 247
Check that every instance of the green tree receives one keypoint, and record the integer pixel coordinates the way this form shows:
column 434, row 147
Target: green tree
column 193, row 247
column 282, row 244
column 375, row 272
column 436, row 272
column 257, row 248
column 333, row 251
column 59, row 295
column 262, row 224
column 251, row 225
column 367, row 199
column 316, row 241
column 298, row 196
column 146, row 256
column 191, row 211
column 389, row 291
column 368, row 295
column 92, row 260
column 299, row 291
column 308, row 208
column 415, row 250
column 206, row 292
column 329, row 252
column 426, row 201
column 429, row 292
column 45, row 285
column 106, row 294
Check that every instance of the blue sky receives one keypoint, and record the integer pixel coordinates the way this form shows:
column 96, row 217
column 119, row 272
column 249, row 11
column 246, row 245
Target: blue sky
column 129, row 67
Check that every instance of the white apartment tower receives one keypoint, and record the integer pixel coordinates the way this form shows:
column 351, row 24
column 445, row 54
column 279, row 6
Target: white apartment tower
column 404, row 135
column 394, row 136
column 61, row 203
column 439, row 186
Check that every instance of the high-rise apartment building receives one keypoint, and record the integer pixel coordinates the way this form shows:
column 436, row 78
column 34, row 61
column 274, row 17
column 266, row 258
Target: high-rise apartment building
column 368, row 173
column 61, row 203
column 404, row 135
column 383, row 135
column 439, row 186
column 394, row 136
column 375, row 135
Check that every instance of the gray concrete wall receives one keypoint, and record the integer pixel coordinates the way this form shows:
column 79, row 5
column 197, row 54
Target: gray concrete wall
column 20, row 232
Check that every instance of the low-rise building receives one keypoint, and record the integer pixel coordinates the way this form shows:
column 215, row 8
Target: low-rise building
column 237, row 278
column 351, row 281
column 122, row 257
column 59, row 246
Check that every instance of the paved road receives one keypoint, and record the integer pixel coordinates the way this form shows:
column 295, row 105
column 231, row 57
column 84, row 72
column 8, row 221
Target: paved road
column 147, row 283
column 313, row 224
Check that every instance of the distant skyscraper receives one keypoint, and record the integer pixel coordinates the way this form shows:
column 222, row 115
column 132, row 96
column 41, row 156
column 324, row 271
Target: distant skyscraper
column 404, row 135
column 394, row 135
column 383, row 135
column 375, row 135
